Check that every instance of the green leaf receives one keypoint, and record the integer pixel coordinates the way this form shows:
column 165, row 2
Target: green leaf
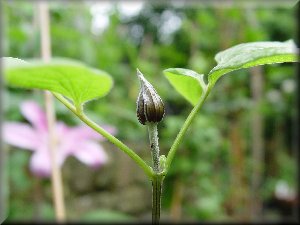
column 252, row 54
column 187, row 82
column 67, row 77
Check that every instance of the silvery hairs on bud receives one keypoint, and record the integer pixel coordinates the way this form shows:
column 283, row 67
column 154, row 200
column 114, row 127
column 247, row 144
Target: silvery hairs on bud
column 150, row 107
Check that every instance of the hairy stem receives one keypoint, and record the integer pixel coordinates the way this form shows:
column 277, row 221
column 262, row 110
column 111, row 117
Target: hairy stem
column 157, row 182
column 147, row 169
column 185, row 127
column 157, row 178
column 153, row 138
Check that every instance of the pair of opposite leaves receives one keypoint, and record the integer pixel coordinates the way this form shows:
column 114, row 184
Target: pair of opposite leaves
column 80, row 83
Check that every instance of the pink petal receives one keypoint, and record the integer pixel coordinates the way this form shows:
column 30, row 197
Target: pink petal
column 72, row 136
column 85, row 132
column 69, row 137
column 90, row 153
column 40, row 163
column 61, row 130
column 61, row 153
column 34, row 114
column 20, row 135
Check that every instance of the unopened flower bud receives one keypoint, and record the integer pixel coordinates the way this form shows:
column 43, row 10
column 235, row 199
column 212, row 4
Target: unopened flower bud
column 150, row 107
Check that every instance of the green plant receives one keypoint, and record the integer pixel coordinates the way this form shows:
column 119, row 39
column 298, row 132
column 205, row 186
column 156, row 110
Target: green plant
column 74, row 84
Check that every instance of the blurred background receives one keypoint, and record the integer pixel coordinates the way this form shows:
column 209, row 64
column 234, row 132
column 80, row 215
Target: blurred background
column 238, row 160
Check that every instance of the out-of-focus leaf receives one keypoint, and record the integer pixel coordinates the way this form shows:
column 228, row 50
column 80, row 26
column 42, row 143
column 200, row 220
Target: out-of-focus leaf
column 72, row 79
column 252, row 54
column 106, row 216
column 187, row 82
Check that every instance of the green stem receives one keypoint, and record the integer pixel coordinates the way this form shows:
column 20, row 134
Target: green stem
column 153, row 138
column 157, row 182
column 158, row 177
column 147, row 169
column 185, row 127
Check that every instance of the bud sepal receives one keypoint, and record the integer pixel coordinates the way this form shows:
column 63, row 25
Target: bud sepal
column 150, row 107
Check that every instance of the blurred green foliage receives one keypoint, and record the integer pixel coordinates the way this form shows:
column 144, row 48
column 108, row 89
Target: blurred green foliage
column 210, row 179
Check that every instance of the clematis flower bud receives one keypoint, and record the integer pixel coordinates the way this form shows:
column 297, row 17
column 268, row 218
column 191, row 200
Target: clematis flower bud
column 150, row 107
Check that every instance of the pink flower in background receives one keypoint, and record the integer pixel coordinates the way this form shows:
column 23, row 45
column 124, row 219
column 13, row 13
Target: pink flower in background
column 80, row 142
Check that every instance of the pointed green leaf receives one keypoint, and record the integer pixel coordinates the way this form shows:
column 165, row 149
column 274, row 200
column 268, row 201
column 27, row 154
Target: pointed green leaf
column 252, row 54
column 187, row 82
column 67, row 77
